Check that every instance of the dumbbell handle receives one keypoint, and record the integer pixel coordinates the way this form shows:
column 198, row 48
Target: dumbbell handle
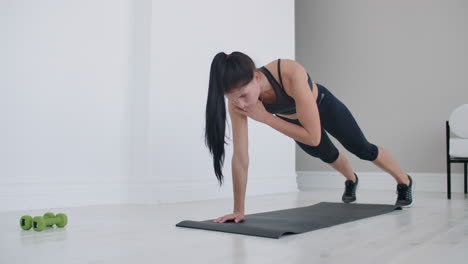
column 51, row 221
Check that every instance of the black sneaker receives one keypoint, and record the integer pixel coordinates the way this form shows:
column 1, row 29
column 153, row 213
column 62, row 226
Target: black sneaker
column 405, row 194
column 349, row 194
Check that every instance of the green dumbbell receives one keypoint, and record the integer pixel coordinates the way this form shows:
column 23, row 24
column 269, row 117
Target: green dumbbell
column 26, row 221
column 39, row 222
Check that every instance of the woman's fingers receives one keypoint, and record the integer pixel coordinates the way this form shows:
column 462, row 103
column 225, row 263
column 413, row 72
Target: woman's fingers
column 220, row 220
column 225, row 218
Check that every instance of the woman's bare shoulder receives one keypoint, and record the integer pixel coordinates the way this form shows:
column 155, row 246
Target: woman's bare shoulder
column 288, row 67
column 291, row 67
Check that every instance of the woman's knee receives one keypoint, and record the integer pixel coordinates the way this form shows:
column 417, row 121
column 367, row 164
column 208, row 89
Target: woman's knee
column 330, row 157
column 327, row 154
column 368, row 152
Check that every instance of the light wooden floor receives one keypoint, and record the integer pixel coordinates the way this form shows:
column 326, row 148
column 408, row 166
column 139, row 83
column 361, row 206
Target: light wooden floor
column 435, row 230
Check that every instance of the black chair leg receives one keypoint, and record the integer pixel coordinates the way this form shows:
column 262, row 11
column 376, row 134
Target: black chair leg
column 447, row 143
column 449, row 194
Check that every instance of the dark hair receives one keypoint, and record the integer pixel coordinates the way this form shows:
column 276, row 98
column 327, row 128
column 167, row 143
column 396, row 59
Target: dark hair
column 227, row 72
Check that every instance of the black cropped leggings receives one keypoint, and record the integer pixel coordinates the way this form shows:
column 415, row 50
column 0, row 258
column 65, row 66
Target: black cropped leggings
column 337, row 120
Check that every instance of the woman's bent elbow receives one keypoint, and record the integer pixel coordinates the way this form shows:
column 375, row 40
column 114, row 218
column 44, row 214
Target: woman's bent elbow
column 315, row 141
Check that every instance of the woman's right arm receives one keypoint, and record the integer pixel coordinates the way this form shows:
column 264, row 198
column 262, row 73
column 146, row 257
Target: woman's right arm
column 240, row 164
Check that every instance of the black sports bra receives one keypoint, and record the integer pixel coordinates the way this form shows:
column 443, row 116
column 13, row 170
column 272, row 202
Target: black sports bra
column 284, row 103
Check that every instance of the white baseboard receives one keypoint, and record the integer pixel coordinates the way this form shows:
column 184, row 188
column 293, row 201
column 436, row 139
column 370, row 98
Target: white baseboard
column 50, row 195
column 44, row 196
column 431, row 182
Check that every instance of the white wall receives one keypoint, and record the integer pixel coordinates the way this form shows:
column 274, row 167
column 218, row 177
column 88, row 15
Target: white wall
column 185, row 36
column 64, row 73
column 103, row 101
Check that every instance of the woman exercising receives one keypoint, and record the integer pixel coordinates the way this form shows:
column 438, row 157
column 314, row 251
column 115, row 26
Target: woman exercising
column 282, row 95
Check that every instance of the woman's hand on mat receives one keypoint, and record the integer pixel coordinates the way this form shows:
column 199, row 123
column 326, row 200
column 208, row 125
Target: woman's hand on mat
column 256, row 111
column 236, row 217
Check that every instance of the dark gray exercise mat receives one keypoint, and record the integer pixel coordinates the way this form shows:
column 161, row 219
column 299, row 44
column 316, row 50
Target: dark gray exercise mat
column 274, row 224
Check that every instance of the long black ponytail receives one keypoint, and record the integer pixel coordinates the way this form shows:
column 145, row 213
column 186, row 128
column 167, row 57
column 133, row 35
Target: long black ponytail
column 227, row 72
